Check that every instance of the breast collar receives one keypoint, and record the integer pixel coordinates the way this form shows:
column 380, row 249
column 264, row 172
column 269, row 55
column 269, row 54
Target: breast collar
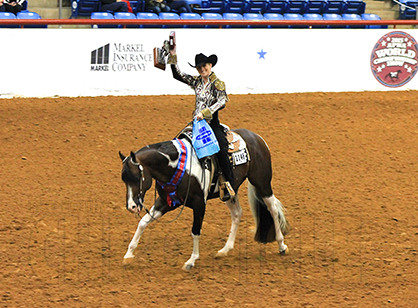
column 171, row 187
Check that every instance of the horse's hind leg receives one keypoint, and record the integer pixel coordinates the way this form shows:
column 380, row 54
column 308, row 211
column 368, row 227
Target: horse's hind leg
column 236, row 213
column 275, row 208
column 143, row 223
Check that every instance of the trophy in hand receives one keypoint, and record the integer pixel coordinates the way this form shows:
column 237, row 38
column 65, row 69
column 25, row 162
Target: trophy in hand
column 160, row 54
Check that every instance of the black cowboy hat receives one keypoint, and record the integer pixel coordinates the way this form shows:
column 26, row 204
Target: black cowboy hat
column 201, row 59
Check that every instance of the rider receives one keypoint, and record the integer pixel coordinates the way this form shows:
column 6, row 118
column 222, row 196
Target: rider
column 210, row 98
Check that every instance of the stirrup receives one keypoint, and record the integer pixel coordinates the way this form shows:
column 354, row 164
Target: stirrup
column 226, row 192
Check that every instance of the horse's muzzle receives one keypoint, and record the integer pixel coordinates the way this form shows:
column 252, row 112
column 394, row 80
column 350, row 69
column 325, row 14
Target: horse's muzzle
column 134, row 206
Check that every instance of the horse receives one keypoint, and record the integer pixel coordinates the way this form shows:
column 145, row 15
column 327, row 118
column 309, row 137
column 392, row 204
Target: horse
column 183, row 179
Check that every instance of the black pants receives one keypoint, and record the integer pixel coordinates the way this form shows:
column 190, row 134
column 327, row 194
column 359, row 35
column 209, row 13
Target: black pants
column 222, row 155
column 115, row 7
column 12, row 9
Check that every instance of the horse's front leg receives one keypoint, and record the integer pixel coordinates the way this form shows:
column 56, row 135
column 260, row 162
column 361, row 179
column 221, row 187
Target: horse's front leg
column 198, row 215
column 143, row 223
column 236, row 213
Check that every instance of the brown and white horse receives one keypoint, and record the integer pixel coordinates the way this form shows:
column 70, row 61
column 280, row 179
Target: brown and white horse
column 182, row 179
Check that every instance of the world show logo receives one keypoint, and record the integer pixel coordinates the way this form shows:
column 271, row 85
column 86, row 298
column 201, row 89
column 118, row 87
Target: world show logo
column 120, row 57
column 394, row 59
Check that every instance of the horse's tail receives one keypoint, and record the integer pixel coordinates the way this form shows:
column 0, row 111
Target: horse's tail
column 265, row 230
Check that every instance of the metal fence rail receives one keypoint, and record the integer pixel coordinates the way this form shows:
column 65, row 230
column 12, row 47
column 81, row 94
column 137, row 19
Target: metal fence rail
column 220, row 23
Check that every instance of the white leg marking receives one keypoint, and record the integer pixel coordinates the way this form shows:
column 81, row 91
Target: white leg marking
column 189, row 264
column 275, row 207
column 147, row 219
column 236, row 213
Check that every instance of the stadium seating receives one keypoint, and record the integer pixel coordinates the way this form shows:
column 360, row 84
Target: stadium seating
column 215, row 6
column 123, row 15
column 30, row 15
column 147, row 15
column 84, row 7
column 278, row 6
column 212, row 16
column 407, row 10
column 7, row 15
column 353, row 17
column 294, row 16
column 354, row 7
column 297, row 7
column 236, row 6
column 169, row 16
column 191, row 16
column 102, row 15
column 335, row 7
column 333, row 17
column 313, row 16
column 254, row 16
column 316, row 6
column 232, row 16
column 373, row 17
column 247, row 9
column 257, row 6
column 274, row 16
column 137, row 5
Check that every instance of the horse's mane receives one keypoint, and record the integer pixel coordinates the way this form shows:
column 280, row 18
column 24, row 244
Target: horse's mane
column 147, row 156
column 165, row 147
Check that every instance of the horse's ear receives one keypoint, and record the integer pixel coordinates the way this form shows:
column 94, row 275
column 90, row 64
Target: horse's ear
column 133, row 157
column 122, row 157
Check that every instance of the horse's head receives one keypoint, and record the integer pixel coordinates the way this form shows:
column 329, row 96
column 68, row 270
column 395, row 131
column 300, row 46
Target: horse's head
column 137, row 180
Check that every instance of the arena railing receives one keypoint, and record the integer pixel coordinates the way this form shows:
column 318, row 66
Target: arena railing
column 219, row 23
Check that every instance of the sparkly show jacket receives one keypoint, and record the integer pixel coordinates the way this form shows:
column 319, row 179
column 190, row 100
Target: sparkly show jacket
column 210, row 97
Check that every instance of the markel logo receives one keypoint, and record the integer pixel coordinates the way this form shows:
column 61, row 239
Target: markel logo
column 119, row 57
column 394, row 59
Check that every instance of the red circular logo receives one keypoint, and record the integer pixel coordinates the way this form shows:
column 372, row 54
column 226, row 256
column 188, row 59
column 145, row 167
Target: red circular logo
column 394, row 59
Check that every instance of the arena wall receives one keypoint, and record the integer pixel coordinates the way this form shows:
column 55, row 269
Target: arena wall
column 74, row 62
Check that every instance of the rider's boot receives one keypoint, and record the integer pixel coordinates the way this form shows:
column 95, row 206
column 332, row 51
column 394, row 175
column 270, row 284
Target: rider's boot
column 229, row 192
column 226, row 192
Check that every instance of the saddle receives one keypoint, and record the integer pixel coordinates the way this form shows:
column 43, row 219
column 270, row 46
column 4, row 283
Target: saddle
column 237, row 151
column 237, row 148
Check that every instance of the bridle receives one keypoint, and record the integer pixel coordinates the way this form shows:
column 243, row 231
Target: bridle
column 140, row 184
column 140, row 192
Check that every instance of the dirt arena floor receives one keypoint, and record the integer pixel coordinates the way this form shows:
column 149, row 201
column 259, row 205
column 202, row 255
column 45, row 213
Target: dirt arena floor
column 345, row 167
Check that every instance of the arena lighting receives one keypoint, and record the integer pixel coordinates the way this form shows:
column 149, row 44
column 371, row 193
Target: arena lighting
column 220, row 23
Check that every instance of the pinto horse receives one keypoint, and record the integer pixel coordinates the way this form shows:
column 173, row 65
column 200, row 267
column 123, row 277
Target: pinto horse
column 174, row 164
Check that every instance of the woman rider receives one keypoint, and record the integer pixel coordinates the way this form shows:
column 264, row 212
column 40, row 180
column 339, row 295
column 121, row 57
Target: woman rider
column 210, row 98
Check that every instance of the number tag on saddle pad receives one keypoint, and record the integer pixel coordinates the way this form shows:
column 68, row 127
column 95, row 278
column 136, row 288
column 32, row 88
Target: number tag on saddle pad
column 239, row 158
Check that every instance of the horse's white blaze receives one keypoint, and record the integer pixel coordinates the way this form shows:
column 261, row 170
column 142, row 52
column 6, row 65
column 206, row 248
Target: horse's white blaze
column 143, row 223
column 130, row 202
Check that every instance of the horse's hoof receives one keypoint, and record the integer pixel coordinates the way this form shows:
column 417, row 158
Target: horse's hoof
column 285, row 252
column 127, row 261
column 187, row 267
column 220, row 254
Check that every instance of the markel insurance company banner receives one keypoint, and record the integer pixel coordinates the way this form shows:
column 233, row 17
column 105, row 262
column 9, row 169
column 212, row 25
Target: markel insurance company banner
column 92, row 62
